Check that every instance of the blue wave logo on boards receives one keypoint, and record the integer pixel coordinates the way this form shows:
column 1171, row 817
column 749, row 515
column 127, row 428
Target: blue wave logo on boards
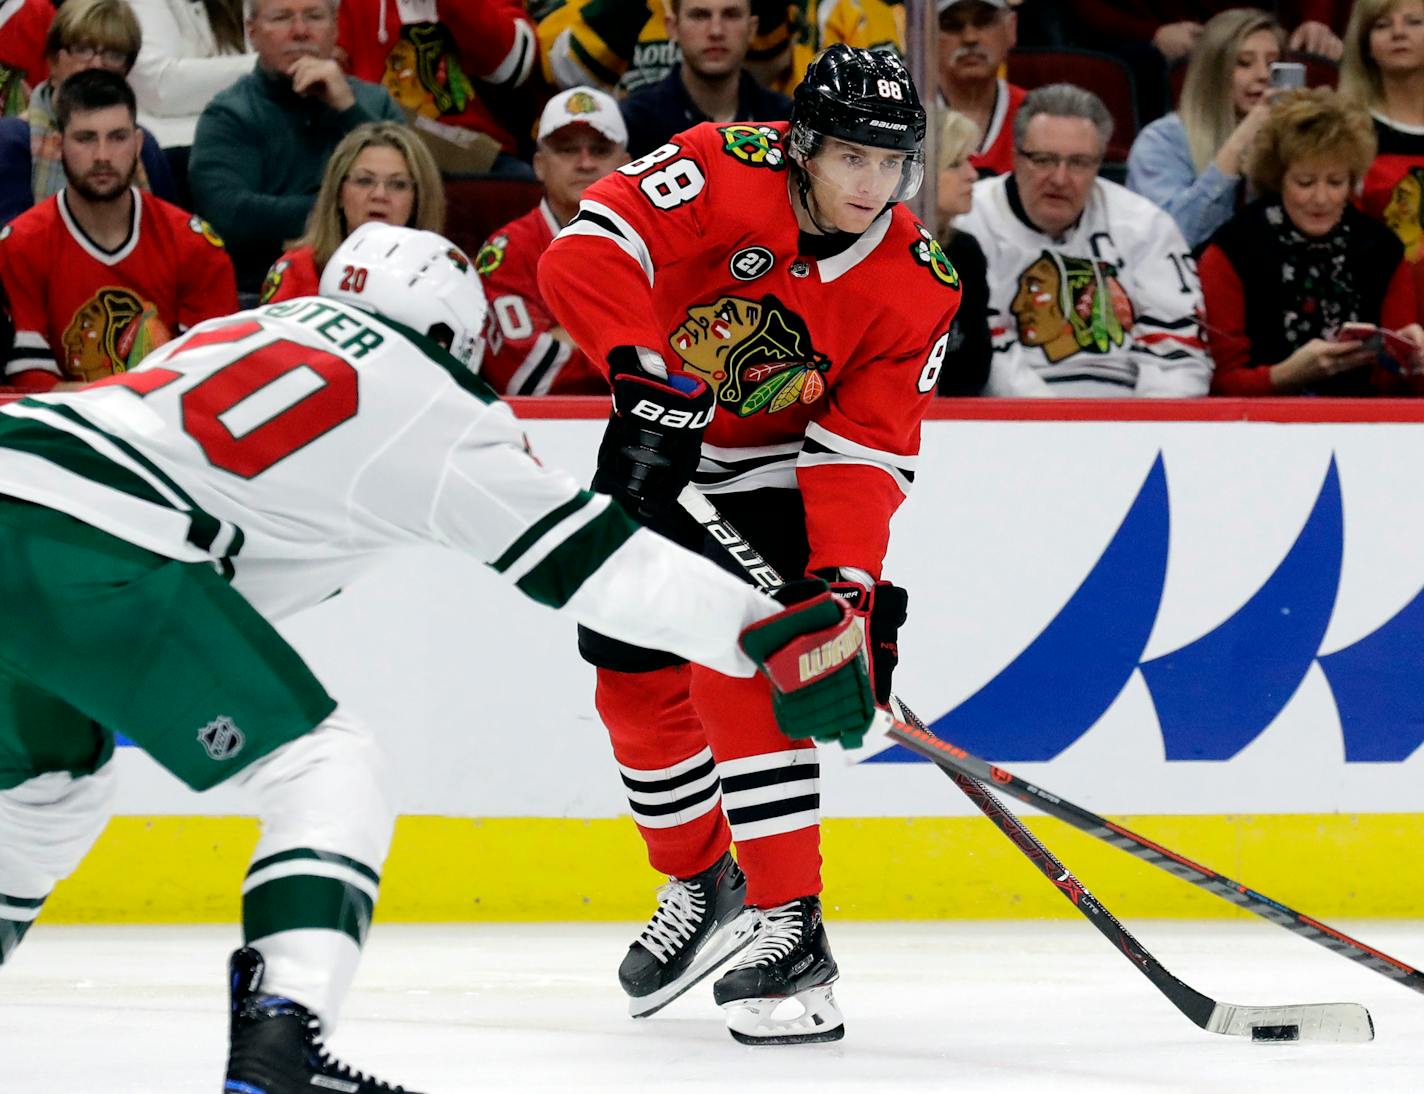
column 1216, row 695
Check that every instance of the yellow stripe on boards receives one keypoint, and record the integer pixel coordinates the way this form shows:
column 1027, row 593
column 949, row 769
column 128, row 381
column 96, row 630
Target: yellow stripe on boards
column 452, row 869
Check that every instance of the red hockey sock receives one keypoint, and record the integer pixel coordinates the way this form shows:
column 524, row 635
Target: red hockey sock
column 668, row 771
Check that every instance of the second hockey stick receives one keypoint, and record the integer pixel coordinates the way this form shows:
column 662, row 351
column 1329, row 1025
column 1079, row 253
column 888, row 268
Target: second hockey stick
column 1338, row 1022
column 1124, row 839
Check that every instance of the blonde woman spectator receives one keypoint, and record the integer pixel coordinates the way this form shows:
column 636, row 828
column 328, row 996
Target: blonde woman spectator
column 380, row 171
column 969, row 349
column 1190, row 162
column 84, row 34
column 1384, row 69
column 1283, row 275
column 192, row 49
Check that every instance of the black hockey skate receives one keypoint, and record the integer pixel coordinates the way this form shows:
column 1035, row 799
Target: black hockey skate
column 790, row 960
column 275, row 1045
column 700, row 922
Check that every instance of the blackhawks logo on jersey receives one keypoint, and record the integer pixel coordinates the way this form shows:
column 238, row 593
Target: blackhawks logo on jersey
column 423, row 72
column 927, row 251
column 112, row 332
column 754, row 145
column 491, row 256
column 755, row 354
column 1066, row 305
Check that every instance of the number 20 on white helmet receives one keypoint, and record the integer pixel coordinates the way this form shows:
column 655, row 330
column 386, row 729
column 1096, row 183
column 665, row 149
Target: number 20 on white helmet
column 417, row 278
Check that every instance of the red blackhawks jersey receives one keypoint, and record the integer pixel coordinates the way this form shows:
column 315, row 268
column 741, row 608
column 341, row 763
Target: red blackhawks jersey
column 524, row 356
column 822, row 366
column 82, row 313
column 1392, row 191
column 429, row 54
column 293, row 275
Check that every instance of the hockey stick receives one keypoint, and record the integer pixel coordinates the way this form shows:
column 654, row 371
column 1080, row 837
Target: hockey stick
column 1339, row 1022
column 1234, row 892
column 949, row 756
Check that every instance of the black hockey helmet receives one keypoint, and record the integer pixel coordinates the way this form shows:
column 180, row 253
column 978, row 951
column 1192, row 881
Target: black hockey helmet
column 862, row 96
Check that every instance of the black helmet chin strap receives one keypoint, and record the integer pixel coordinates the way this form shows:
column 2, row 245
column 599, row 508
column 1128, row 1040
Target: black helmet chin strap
column 803, row 191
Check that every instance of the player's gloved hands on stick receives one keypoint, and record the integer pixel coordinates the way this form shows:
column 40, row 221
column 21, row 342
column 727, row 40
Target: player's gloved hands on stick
column 882, row 607
column 814, row 655
column 653, row 440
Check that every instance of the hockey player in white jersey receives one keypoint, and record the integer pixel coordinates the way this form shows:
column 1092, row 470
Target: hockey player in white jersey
column 165, row 516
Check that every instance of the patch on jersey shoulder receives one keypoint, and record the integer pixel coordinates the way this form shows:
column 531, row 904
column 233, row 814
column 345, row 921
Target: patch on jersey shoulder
column 491, row 255
column 755, row 354
column 927, row 251
column 5, row 232
column 273, row 281
column 754, row 145
column 204, row 229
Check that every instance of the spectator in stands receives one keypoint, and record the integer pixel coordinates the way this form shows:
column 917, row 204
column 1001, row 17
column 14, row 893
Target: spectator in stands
column 85, row 34
column 262, row 145
column 975, row 37
column 581, row 138
column 1091, row 291
column 710, row 83
column 1283, row 275
column 1383, row 69
column 1151, row 35
column 969, row 350
column 624, row 45
column 192, row 49
column 1191, row 162
column 101, row 274
column 379, row 171
column 23, row 26
column 455, row 64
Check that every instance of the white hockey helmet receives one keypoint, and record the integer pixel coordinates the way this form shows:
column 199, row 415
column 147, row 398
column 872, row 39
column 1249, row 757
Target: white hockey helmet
column 417, row 278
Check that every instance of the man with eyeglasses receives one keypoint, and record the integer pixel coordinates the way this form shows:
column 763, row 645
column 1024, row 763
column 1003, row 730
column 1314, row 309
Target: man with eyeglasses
column 581, row 138
column 974, row 38
column 84, row 34
column 1092, row 291
column 261, row 145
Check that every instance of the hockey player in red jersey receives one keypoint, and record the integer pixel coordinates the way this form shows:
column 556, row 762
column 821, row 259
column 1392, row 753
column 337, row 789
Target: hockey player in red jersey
column 773, row 322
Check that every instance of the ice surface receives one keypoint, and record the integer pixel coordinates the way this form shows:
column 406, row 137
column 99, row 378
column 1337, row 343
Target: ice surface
column 929, row 1007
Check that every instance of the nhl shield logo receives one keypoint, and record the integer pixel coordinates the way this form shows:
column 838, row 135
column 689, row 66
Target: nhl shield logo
column 221, row 738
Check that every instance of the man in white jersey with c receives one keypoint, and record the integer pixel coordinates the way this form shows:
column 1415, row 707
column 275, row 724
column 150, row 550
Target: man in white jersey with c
column 243, row 473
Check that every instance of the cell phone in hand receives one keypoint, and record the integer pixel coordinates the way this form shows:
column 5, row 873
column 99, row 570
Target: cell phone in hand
column 1286, row 75
column 1393, row 351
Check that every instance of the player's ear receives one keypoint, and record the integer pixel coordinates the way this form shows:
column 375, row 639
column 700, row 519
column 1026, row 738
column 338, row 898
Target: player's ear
column 138, row 138
column 670, row 19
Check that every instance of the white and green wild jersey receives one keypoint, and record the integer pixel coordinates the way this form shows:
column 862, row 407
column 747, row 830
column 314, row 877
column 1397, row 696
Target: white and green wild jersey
column 295, row 443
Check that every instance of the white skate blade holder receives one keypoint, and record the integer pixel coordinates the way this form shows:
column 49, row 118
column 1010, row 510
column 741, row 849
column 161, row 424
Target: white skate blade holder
column 755, row 1022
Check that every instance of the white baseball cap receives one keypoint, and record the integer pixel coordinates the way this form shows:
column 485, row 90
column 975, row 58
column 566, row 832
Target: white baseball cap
column 584, row 106
column 945, row 5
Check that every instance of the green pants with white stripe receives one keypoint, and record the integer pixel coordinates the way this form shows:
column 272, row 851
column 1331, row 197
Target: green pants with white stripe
column 99, row 637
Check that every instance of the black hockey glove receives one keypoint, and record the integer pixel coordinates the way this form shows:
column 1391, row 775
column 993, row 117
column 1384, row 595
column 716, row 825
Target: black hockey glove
column 883, row 608
column 653, row 439
column 814, row 655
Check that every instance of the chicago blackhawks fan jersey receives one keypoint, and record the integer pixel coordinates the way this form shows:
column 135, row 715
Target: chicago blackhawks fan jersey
column 524, row 356
column 822, row 366
column 447, row 60
column 1109, row 310
column 82, row 313
column 292, row 444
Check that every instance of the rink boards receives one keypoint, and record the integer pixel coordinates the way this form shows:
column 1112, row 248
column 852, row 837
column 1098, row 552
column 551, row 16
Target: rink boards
column 1205, row 618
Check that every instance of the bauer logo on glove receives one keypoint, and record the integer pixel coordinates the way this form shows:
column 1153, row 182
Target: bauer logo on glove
column 813, row 653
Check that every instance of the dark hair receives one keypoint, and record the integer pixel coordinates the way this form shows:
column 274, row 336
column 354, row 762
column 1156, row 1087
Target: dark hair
column 225, row 17
column 92, row 89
